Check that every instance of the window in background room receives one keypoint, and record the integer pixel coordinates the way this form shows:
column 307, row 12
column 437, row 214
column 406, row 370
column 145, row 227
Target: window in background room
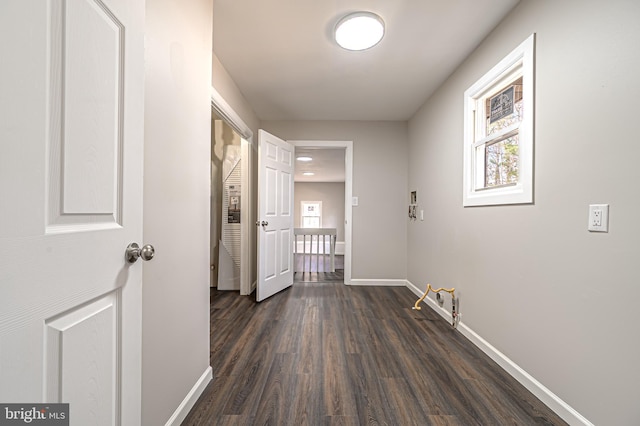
column 498, row 141
column 311, row 214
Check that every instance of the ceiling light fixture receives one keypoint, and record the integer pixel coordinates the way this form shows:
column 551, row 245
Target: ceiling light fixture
column 301, row 158
column 359, row 31
column 308, row 173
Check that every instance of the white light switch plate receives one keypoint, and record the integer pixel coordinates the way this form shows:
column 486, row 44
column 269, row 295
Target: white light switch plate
column 598, row 218
column 354, row 201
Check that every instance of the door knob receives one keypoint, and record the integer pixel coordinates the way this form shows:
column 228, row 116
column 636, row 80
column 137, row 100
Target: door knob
column 263, row 223
column 134, row 251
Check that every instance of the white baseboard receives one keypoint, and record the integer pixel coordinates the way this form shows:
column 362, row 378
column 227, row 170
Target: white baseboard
column 188, row 402
column 375, row 282
column 551, row 400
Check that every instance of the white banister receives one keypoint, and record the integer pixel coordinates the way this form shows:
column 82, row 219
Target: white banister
column 320, row 232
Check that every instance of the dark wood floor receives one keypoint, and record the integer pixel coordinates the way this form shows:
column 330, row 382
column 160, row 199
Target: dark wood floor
column 313, row 268
column 330, row 354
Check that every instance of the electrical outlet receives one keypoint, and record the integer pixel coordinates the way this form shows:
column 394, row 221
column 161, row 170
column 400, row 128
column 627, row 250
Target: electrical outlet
column 598, row 218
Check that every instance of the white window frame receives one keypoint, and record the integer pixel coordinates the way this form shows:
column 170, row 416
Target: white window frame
column 519, row 63
column 302, row 211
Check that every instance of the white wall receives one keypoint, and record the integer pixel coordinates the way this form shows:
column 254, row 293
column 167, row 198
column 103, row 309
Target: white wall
column 559, row 301
column 380, row 158
column 224, row 84
column 226, row 87
column 175, row 331
column 332, row 196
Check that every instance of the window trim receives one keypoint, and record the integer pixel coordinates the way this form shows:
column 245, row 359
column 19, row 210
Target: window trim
column 302, row 215
column 520, row 62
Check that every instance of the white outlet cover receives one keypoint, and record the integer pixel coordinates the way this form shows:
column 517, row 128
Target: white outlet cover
column 598, row 218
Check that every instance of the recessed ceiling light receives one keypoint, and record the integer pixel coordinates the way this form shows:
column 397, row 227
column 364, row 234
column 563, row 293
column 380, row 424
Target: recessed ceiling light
column 301, row 158
column 359, row 31
column 308, row 173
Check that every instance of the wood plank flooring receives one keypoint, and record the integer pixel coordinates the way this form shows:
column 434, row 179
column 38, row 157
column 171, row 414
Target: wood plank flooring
column 317, row 268
column 330, row 354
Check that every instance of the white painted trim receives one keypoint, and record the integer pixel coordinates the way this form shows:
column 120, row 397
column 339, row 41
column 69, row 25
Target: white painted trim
column 348, row 212
column 521, row 61
column 348, row 191
column 224, row 110
column 303, row 204
column 190, row 399
column 339, row 248
column 551, row 400
column 378, row 282
column 245, row 219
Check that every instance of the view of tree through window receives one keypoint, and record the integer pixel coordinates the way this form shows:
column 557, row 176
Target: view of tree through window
column 498, row 132
column 501, row 167
column 501, row 154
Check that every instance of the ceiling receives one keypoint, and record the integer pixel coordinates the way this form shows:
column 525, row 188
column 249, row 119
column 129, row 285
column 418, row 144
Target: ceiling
column 281, row 55
column 327, row 165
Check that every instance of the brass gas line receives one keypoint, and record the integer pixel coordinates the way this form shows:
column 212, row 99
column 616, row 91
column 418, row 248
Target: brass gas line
column 454, row 314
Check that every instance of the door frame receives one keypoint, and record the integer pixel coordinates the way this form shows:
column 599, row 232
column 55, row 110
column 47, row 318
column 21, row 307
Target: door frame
column 248, row 148
column 228, row 114
column 348, row 191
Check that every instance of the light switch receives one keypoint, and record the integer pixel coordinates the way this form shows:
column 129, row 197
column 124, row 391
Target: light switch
column 354, row 201
column 421, row 214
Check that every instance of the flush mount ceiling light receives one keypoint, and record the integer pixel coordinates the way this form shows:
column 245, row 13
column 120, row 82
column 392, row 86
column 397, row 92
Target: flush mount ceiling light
column 302, row 158
column 308, row 173
column 359, row 31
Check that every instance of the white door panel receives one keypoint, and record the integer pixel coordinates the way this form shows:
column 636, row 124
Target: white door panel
column 71, row 137
column 285, row 251
column 86, row 112
column 275, row 200
column 270, row 250
column 84, row 343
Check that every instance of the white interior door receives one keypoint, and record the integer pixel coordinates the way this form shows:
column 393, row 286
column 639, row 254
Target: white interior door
column 71, row 139
column 275, row 215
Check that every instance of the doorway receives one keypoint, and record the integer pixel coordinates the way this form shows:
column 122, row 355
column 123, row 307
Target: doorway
column 226, row 205
column 231, row 204
column 329, row 188
column 249, row 257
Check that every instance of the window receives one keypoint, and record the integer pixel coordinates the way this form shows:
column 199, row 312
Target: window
column 498, row 137
column 311, row 214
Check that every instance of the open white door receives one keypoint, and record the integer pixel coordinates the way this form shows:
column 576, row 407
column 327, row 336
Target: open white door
column 275, row 215
column 71, row 139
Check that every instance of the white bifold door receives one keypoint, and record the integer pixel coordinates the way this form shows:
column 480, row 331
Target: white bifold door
column 275, row 215
column 71, row 140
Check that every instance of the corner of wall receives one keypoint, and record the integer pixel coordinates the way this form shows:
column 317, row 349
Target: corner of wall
column 541, row 392
column 190, row 399
column 224, row 84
